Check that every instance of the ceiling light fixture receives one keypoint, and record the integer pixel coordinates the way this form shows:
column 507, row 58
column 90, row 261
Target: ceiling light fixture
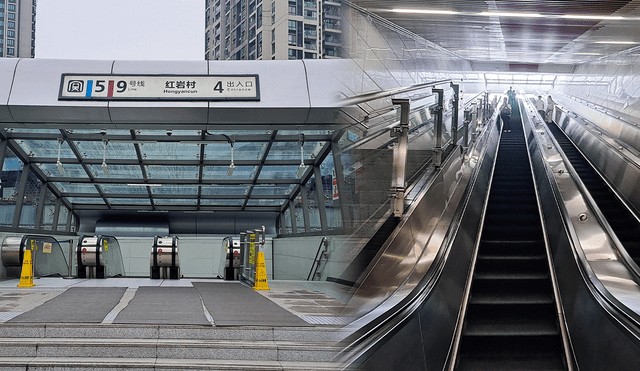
column 301, row 168
column 424, row 11
column 58, row 163
column 144, row 185
column 105, row 168
column 232, row 167
column 510, row 14
column 592, row 17
column 617, row 42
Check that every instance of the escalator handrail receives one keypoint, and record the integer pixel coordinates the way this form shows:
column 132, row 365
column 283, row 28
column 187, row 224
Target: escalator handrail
column 593, row 206
column 385, row 322
column 626, row 317
column 363, row 98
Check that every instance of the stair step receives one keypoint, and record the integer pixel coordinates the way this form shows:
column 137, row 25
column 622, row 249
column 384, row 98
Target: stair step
column 503, row 328
column 176, row 348
column 511, row 276
column 489, row 299
column 78, row 363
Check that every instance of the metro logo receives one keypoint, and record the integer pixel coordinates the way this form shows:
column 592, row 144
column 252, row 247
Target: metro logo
column 75, row 86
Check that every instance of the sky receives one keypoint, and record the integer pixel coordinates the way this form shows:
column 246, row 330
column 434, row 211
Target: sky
column 120, row 29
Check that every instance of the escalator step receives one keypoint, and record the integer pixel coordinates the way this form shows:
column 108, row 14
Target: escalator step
column 511, row 276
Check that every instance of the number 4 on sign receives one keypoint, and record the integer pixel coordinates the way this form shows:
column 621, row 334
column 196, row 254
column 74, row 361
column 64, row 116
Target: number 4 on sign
column 218, row 87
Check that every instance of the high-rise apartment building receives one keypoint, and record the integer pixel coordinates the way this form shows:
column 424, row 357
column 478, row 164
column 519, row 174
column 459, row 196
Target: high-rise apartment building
column 272, row 29
column 17, row 28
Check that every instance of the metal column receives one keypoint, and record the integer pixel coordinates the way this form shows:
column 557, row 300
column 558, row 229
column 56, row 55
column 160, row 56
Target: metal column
column 467, row 120
column 305, row 208
column 320, row 198
column 56, row 215
column 437, row 111
column 474, row 122
column 292, row 214
column 398, row 179
column 454, row 117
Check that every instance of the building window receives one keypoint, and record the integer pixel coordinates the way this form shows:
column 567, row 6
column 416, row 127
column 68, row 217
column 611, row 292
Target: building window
column 11, row 42
column 11, row 25
column 10, row 33
column 12, row 7
column 10, row 51
column 259, row 44
column 273, row 12
column 310, row 55
column 259, row 16
column 11, row 16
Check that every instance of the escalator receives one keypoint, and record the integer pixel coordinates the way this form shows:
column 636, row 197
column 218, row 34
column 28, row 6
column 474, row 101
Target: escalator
column 511, row 320
column 621, row 220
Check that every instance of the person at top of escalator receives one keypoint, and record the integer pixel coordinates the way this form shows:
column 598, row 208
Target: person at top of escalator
column 540, row 106
column 548, row 118
column 505, row 115
column 511, row 94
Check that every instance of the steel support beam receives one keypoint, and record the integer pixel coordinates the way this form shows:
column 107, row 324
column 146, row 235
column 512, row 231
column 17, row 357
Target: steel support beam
column 3, row 151
column 398, row 178
column 437, row 111
column 474, row 122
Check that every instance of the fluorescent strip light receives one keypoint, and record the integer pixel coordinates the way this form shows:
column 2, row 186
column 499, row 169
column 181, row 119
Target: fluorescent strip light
column 105, row 169
column 592, row 17
column 509, row 14
column 301, row 170
column 424, row 11
column 230, row 170
column 144, row 185
column 617, row 42
column 60, row 167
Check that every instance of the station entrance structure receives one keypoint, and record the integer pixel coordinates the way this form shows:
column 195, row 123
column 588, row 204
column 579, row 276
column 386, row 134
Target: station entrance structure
column 162, row 147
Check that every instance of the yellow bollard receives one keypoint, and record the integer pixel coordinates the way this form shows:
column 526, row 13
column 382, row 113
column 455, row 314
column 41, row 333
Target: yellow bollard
column 26, row 277
column 261, row 274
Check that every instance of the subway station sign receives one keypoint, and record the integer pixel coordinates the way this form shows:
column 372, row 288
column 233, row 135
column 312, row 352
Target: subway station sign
column 160, row 87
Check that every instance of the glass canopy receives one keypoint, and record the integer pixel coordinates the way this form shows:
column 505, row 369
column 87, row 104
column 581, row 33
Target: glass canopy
column 190, row 169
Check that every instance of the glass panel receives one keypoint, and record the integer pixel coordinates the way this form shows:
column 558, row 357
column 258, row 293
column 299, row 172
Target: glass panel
column 109, row 189
column 225, row 190
column 29, row 130
column 279, row 172
column 222, row 202
column 30, row 203
column 312, row 199
column 62, row 218
column 172, row 172
column 76, row 187
column 129, row 201
column 220, row 172
column 95, row 150
column 175, row 189
column 70, row 171
column 272, row 189
column 11, row 171
column 49, row 210
column 175, row 201
column 170, row 151
column 287, row 216
column 86, row 200
column 116, row 171
column 241, row 151
column 332, row 206
column 253, row 202
column 291, row 150
column 46, row 148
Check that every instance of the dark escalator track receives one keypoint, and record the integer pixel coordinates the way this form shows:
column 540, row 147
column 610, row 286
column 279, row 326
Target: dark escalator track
column 623, row 223
column 511, row 322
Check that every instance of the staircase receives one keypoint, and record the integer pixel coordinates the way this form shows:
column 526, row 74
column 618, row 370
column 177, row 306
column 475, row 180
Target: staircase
column 153, row 347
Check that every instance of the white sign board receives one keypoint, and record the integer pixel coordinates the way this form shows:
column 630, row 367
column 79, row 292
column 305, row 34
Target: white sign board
column 159, row 87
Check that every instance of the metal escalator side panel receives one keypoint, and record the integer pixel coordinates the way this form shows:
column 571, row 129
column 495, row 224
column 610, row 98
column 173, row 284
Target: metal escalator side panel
column 602, row 331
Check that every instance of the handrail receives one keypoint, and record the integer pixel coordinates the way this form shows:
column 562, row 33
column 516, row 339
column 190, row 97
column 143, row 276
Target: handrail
column 316, row 261
column 387, row 93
